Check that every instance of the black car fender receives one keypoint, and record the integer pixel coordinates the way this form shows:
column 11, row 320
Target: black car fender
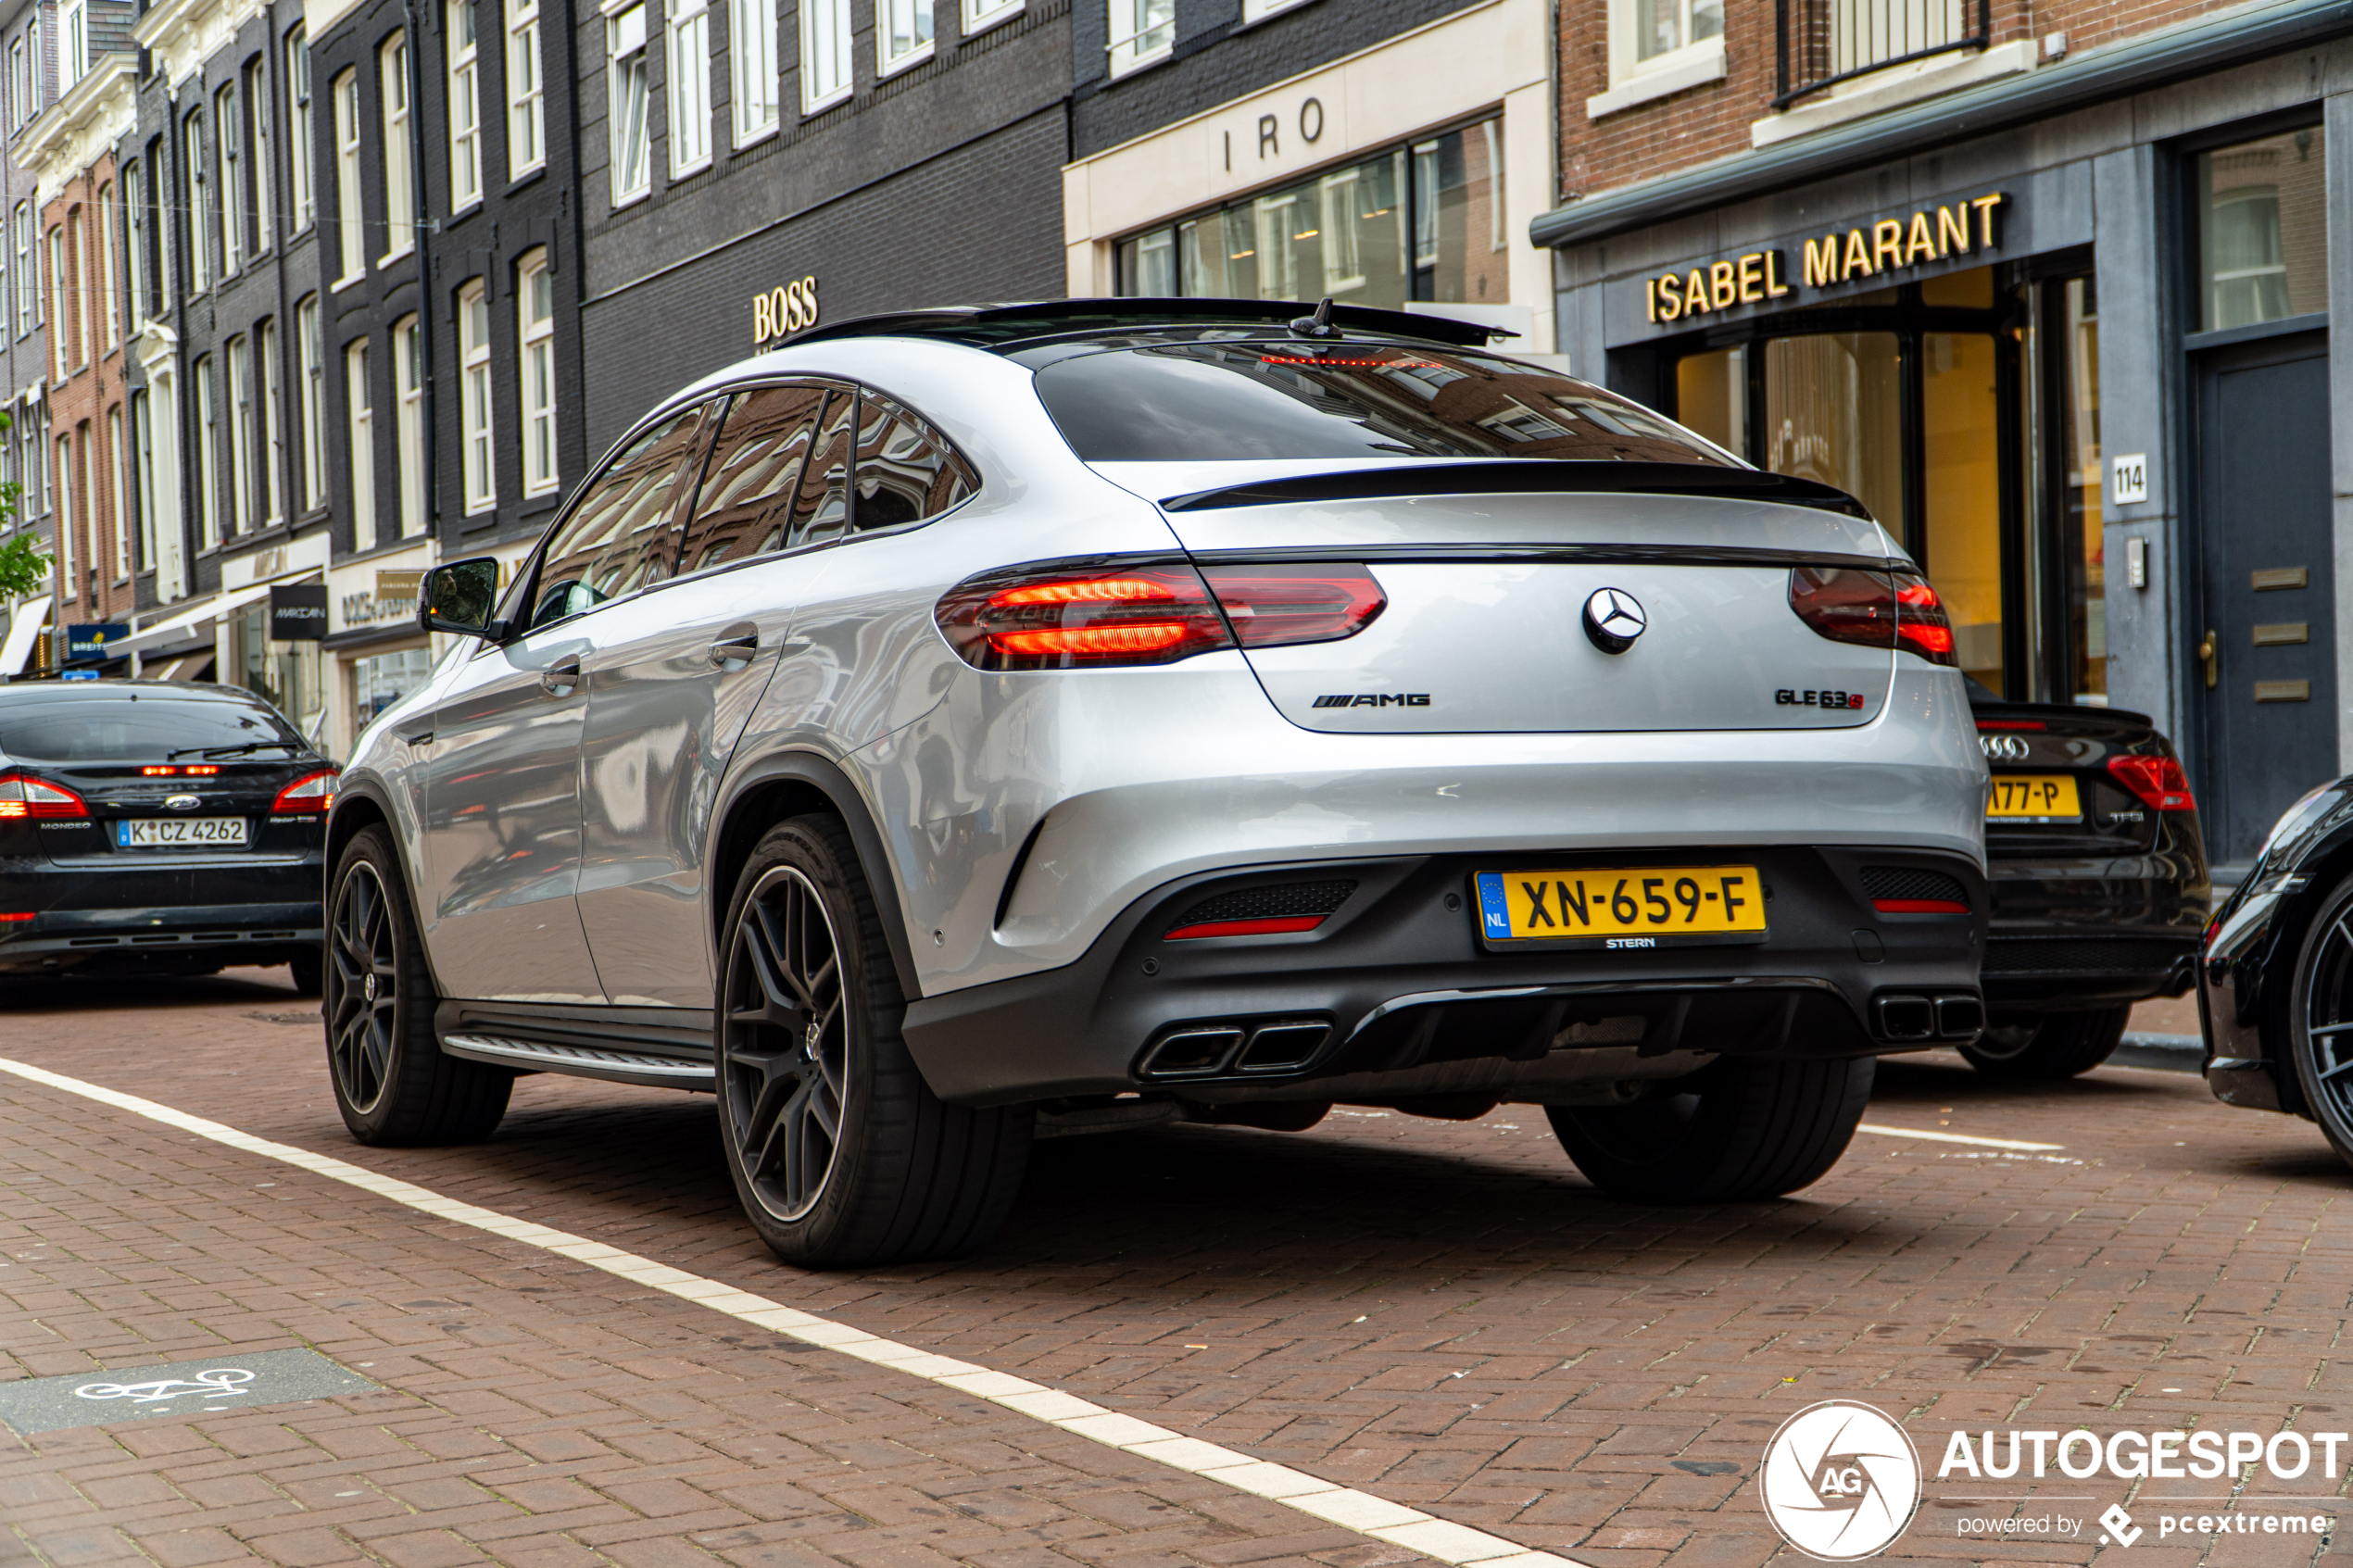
column 764, row 791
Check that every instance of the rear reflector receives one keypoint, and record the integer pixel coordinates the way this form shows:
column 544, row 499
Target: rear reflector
column 2011, row 725
column 2157, row 781
column 22, row 796
column 1269, row 927
column 27, row 915
column 313, row 792
column 1156, row 613
column 1919, row 906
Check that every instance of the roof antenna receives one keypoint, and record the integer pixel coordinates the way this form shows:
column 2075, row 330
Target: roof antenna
column 1317, row 325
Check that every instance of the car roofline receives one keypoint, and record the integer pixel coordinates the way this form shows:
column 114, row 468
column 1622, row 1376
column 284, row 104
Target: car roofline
column 997, row 327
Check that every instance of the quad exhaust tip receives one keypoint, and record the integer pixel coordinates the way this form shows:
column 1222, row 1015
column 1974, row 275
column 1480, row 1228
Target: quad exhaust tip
column 1238, row 1046
column 1957, row 1017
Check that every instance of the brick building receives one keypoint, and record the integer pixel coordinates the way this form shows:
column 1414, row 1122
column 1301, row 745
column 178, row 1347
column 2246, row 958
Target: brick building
column 2050, row 287
column 26, row 26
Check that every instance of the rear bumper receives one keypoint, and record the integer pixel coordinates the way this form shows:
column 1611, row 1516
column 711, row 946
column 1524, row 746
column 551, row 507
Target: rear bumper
column 1394, row 986
column 2069, row 969
column 227, row 934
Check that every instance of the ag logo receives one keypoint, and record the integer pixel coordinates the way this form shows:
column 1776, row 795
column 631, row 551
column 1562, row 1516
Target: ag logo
column 1841, row 1480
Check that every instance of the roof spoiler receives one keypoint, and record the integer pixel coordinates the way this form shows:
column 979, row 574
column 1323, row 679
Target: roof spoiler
column 1524, row 476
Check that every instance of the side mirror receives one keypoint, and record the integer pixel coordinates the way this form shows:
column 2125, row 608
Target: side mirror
column 462, row 597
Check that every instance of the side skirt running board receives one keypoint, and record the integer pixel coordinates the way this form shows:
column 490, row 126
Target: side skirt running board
column 582, row 1061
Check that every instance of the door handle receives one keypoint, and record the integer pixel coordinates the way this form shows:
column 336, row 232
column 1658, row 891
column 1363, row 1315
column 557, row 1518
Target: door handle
column 2210, row 651
column 736, row 645
column 560, row 676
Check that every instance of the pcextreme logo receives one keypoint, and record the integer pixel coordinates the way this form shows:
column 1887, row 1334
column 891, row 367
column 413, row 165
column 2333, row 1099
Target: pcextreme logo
column 1841, row 1480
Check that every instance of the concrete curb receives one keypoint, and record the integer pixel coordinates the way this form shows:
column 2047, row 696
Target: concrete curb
column 2165, row 1053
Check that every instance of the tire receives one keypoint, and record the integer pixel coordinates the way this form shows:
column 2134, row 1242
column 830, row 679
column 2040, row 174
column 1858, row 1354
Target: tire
column 841, row 1156
column 392, row 1083
column 1737, row 1131
column 2056, row 1045
column 2320, row 1018
column 310, row 972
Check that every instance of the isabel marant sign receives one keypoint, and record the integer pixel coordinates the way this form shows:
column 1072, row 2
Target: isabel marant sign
column 1879, row 249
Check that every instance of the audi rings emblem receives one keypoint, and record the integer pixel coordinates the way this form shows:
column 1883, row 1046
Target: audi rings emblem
column 2002, row 749
column 1613, row 618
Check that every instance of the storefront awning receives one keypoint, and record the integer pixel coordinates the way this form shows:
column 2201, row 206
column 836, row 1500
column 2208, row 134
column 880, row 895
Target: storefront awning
column 32, row 616
column 187, row 667
column 164, row 633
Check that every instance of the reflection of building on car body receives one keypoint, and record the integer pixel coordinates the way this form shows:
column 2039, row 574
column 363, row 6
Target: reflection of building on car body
column 924, row 736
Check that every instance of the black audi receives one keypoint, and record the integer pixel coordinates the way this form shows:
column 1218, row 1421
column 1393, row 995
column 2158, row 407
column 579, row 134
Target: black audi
column 158, row 827
column 2099, row 882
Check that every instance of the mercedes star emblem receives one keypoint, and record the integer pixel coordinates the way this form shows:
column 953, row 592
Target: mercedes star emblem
column 1613, row 618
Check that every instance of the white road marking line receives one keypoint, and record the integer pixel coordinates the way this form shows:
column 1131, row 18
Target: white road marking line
column 1951, row 1138
column 1344, row 1506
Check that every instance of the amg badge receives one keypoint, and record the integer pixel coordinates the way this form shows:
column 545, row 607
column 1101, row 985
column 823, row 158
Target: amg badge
column 1375, row 700
column 1786, row 697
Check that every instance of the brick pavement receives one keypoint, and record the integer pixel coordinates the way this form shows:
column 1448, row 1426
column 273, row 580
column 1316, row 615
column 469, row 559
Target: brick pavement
column 1442, row 1314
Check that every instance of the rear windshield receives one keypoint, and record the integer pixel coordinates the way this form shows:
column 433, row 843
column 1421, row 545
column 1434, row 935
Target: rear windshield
column 142, row 727
column 1195, row 402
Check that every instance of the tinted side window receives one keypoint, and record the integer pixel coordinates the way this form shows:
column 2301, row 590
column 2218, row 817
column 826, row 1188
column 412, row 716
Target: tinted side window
column 823, row 509
column 622, row 534
column 905, row 471
column 745, row 506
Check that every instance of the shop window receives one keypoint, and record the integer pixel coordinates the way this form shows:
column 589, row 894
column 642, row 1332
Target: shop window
column 1833, row 407
column 2083, row 569
column 2262, row 223
column 1960, row 486
column 285, row 675
column 1421, row 222
column 380, row 679
column 1711, row 396
column 625, row 104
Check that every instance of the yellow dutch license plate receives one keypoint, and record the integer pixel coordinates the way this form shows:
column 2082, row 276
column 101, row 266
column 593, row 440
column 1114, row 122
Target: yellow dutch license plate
column 2034, row 797
column 1622, row 906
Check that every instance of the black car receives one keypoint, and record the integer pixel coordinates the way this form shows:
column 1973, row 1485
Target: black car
column 2275, row 990
column 158, row 827
column 2099, row 877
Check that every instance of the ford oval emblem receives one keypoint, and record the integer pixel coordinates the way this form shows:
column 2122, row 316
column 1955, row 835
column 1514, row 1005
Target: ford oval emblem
column 180, row 803
column 1613, row 618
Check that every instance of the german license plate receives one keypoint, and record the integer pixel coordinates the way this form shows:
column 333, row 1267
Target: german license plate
column 2034, row 797
column 164, row 832
column 1622, row 906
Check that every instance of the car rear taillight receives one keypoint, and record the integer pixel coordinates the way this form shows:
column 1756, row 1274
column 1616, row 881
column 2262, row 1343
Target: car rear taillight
column 1920, row 622
column 1271, row 606
column 22, row 796
column 2157, row 781
column 1061, row 618
column 1872, row 610
column 311, row 792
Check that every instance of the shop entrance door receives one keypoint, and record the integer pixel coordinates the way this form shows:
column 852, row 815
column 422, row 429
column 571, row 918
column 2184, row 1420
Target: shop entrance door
column 2264, row 658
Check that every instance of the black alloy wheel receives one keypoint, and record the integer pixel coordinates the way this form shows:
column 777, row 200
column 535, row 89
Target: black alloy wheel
column 841, row 1155
column 2054, row 1046
column 1736, row 1131
column 787, row 1046
column 2320, row 1008
column 391, row 1083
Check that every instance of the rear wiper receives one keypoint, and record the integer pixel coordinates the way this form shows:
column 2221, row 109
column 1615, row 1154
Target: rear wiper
column 250, row 746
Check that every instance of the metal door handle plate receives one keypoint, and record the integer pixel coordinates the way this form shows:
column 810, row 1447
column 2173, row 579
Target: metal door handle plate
column 734, row 650
column 2209, row 650
column 561, row 678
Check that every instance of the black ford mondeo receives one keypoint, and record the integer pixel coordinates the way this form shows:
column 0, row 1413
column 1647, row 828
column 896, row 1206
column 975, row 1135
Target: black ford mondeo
column 158, row 827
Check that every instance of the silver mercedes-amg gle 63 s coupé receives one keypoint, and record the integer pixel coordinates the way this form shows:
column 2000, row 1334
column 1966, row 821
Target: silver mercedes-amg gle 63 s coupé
column 968, row 725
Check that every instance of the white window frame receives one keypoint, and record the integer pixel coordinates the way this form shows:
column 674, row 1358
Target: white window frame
column 1137, row 43
column 1636, row 81
column 78, row 257
column 207, row 458
column 631, row 168
column 114, row 498
column 27, row 278
column 464, row 106
column 687, row 80
column 536, row 369
column 77, row 31
column 19, row 86
column 477, row 450
column 265, row 337
column 143, row 444
column 527, row 92
column 301, row 185
column 109, row 304
column 1256, row 11
column 59, row 345
column 314, row 404
column 351, row 218
column 134, row 185
column 825, row 37
column 260, row 176
column 409, row 421
column 919, row 15
column 63, row 481
column 200, row 224
column 979, row 16
column 751, row 62
column 361, row 443
column 228, row 120
column 238, row 352
column 400, row 174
